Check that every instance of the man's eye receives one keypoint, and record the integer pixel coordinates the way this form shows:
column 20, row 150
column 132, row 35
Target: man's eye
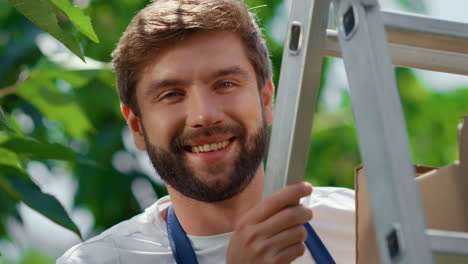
column 225, row 85
column 170, row 96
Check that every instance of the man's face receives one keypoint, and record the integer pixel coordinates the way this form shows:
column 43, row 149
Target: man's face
column 203, row 119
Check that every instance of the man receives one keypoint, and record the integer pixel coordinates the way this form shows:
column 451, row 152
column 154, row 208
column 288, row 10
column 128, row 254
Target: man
column 194, row 79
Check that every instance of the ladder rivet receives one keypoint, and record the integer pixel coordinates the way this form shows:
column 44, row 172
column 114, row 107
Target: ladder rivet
column 295, row 38
column 349, row 21
column 393, row 245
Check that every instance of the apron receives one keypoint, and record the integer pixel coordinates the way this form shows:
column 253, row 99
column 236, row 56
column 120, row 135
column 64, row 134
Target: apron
column 184, row 254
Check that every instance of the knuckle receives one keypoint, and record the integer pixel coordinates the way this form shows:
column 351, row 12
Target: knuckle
column 246, row 233
column 260, row 250
column 299, row 233
column 250, row 237
column 297, row 214
column 292, row 212
column 240, row 227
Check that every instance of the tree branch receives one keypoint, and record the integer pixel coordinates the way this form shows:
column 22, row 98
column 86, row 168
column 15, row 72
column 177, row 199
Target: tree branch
column 7, row 91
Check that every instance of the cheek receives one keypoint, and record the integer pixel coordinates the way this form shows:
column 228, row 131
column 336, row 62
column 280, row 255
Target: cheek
column 161, row 126
column 246, row 109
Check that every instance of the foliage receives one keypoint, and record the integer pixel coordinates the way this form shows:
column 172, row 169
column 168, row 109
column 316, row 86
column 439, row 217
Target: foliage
column 413, row 5
column 21, row 188
column 35, row 257
column 4, row 122
column 29, row 257
column 18, row 149
column 47, row 16
column 15, row 183
column 66, row 107
column 432, row 119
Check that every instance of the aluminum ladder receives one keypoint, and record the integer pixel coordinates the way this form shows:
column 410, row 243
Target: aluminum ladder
column 369, row 41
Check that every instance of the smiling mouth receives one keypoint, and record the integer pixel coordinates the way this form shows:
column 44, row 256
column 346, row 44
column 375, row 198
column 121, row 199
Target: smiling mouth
column 204, row 148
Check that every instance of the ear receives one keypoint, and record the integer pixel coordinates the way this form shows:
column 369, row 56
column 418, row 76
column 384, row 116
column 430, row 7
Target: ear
column 135, row 126
column 267, row 95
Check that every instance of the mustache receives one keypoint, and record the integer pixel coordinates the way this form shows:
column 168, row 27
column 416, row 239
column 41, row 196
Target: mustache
column 182, row 137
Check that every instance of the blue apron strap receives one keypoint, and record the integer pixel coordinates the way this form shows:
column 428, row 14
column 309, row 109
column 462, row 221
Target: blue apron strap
column 316, row 247
column 181, row 247
column 183, row 252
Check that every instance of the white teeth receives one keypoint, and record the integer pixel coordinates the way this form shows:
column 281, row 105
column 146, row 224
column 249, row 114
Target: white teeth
column 210, row 147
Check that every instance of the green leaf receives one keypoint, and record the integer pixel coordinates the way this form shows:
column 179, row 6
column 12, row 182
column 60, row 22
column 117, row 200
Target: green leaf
column 35, row 257
column 75, row 78
column 16, row 127
column 38, row 150
column 4, row 124
column 19, row 186
column 41, row 13
column 5, row 10
column 41, row 91
column 413, row 5
column 405, row 3
column 8, row 157
column 81, row 21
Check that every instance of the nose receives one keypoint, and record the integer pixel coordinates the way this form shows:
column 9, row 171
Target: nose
column 203, row 109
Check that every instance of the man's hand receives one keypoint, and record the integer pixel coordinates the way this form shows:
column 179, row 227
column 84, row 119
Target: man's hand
column 272, row 232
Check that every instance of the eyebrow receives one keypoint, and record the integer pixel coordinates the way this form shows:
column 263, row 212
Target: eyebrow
column 232, row 70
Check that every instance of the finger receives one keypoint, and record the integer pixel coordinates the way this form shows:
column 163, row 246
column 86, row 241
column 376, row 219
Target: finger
column 290, row 195
column 284, row 219
column 286, row 238
column 289, row 254
column 269, row 248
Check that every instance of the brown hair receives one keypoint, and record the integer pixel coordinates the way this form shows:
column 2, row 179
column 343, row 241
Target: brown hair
column 164, row 22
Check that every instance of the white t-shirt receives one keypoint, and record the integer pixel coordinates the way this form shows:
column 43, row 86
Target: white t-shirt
column 143, row 238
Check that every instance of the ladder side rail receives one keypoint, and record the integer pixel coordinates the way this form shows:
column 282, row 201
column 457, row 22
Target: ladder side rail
column 298, row 88
column 411, row 57
column 383, row 143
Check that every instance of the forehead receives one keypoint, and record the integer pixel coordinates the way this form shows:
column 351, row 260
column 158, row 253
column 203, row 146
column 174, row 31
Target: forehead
column 197, row 55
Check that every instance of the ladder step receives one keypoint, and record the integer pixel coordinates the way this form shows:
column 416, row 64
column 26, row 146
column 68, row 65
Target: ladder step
column 450, row 243
column 425, row 32
column 420, row 42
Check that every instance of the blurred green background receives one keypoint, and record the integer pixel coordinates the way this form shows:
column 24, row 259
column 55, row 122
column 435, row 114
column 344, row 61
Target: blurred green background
column 48, row 94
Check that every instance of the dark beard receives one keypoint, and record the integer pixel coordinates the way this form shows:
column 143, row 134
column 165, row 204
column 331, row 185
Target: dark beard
column 173, row 168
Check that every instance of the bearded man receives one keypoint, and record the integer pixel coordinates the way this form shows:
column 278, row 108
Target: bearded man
column 194, row 80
